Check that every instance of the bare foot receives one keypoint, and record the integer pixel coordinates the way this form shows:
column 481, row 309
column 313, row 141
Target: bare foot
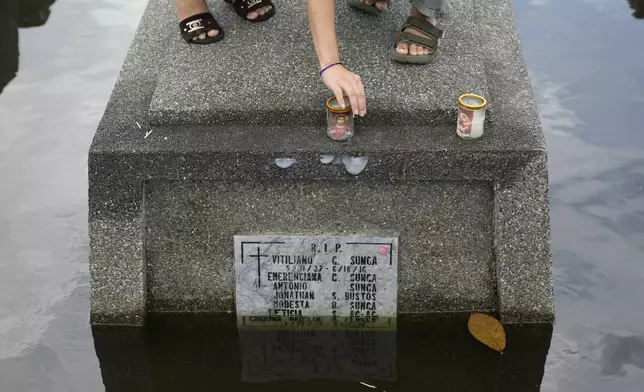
column 259, row 12
column 188, row 8
column 413, row 49
column 381, row 5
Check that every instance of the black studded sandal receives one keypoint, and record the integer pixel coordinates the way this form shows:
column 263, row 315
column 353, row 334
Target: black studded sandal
column 199, row 24
column 245, row 7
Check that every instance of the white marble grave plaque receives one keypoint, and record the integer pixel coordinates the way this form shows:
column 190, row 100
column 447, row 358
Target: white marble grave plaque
column 316, row 281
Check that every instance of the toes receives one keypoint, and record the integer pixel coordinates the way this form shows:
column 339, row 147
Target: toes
column 202, row 36
column 402, row 48
column 381, row 5
column 422, row 51
column 259, row 12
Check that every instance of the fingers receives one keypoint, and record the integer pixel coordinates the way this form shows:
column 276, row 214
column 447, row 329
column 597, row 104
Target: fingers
column 339, row 95
column 347, row 84
column 350, row 91
column 360, row 95
column 352, row 97
column 354, row 89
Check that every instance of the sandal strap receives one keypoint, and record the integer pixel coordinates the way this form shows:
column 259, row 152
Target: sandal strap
column 424, row 26
column 248, row 6
column 409, row 38
column 197, row 24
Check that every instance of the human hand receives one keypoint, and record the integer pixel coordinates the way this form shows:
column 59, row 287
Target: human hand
column 344, row 82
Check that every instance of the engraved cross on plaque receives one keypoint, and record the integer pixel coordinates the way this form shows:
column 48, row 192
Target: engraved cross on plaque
column 258, row 256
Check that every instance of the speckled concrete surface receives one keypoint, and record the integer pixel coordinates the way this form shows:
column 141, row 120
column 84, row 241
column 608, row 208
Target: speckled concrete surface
column 522, row 246
column 521, row 207
column 118, row 287
column 444, row 227
column 117, row 254
column 511, row 156
column 267, row 75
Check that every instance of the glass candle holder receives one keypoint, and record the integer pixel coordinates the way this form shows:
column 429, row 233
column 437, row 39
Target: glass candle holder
column 339, row 120
column 471, row 116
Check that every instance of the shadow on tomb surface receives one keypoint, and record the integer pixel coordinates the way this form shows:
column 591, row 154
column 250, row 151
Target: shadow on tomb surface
column 202, row 353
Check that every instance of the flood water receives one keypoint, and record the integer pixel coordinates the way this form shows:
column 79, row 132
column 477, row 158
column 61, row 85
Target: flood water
column 586, row 62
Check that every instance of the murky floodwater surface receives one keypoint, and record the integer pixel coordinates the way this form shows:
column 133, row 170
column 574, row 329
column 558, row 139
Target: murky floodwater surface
column 587, row 69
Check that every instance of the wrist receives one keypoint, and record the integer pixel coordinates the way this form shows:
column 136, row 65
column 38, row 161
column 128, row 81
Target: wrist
column 325, row 63
column 324, row 69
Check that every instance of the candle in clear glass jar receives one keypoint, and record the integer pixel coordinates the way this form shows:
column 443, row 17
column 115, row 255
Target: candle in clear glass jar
column 471, row 116
column 339, row 120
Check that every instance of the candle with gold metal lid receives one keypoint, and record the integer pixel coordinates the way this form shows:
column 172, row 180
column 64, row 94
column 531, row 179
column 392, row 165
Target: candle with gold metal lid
column 339, row 120
column 471, row 116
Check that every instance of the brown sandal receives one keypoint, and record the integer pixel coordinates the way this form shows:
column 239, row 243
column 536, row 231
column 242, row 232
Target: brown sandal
column 430, row 42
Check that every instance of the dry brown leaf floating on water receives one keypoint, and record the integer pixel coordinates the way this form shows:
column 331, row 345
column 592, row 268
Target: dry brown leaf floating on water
column 487, row 330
